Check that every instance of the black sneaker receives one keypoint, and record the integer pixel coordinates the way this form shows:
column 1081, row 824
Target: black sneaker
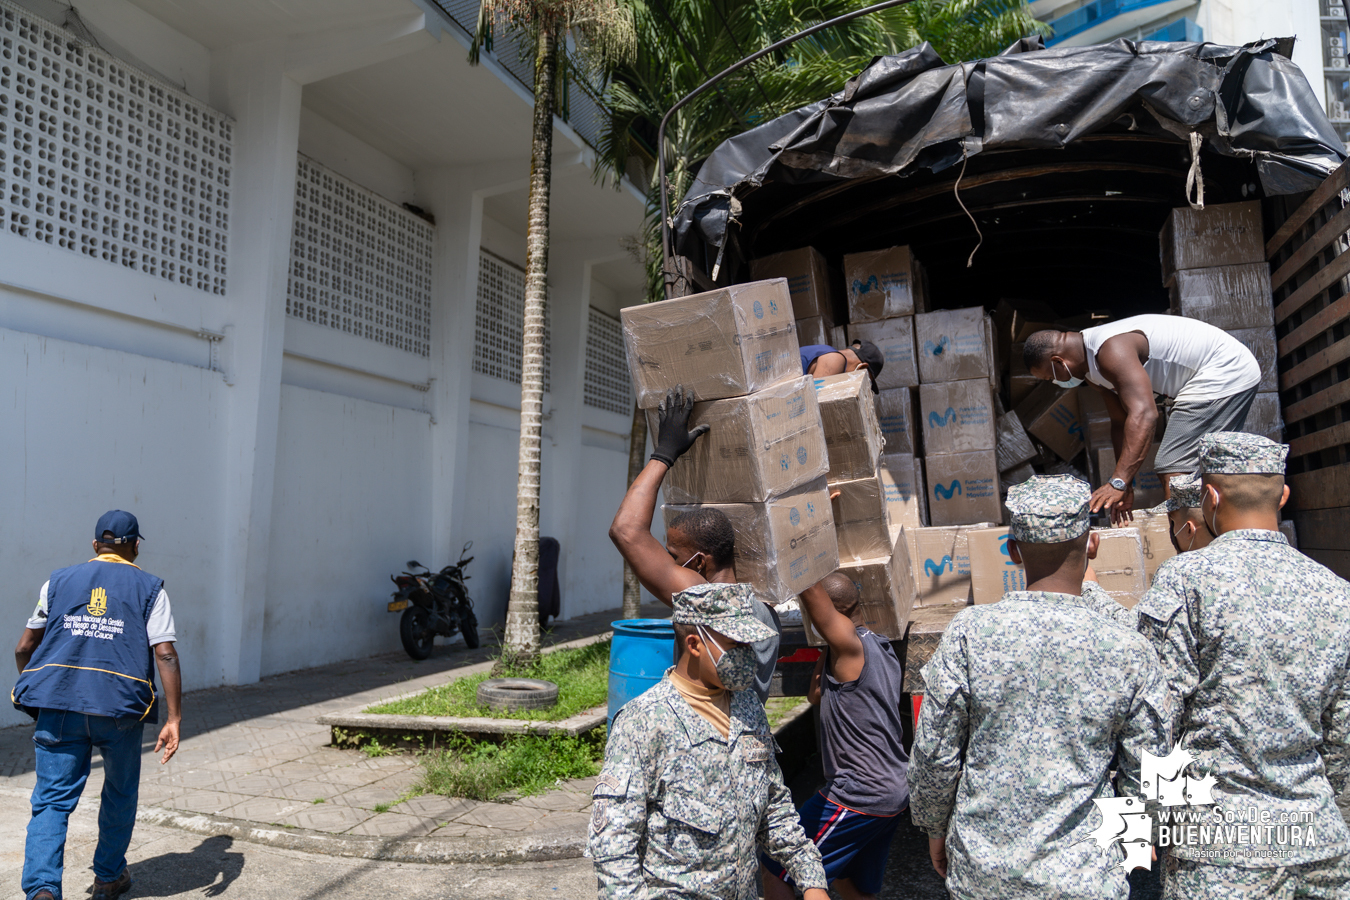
column 111, row 890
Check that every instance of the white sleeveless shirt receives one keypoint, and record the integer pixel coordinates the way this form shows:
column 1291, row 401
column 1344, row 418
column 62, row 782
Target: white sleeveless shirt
column 1188, row 360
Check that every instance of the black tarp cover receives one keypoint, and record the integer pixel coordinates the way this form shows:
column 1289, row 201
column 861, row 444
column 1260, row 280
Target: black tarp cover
column 913, row 111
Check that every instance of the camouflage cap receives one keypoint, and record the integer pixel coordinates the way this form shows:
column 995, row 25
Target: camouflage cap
column 725, row 608
column 1186, row 493
column 1237, row 453
column 1047, row 509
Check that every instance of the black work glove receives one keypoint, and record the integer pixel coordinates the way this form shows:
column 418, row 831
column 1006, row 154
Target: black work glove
column 673, row 437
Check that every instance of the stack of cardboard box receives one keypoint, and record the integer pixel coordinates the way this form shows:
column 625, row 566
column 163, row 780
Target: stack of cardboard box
column 764, row 460
column 809, row 285
column 872, row 550
column 1214, row 265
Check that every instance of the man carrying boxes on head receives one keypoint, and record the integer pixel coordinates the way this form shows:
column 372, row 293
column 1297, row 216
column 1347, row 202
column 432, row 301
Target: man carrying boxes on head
column 1028, row 702
column 857, row 685
column 1210, row 376
column 1254, row 638
column 822, row 360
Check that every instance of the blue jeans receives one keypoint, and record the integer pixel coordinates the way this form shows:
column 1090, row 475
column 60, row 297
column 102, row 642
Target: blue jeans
column 65, row 742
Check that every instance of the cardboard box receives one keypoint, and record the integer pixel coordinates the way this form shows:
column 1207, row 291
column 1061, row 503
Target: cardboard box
column 1015, row 475
column 895, row 339
column 848, row 414
column 784, row 545
column 952, row 345
column 1221, row 234
column 1012, row 318
column 1148, row 488
column 963, row 488
column 1020, row 387
column 861, row 523
column 1264, row 418
column 895, row 411
column 1261, row 341
column 1227, row 297
column 1154, row 528
column 1120, row 565
column 724, row 343
column 757, row 447
column 815, row 330
column 958, row 417
column 941, row 561
column 886, row 593
column 881, row 284
column 992, row 571
column 1012, row 446
column 920, row 484
column 838, row 336
column 808, row 281
column 903, row 486
column 1050, row 414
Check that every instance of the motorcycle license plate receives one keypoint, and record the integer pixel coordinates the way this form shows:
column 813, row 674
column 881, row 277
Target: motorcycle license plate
column 398, row 605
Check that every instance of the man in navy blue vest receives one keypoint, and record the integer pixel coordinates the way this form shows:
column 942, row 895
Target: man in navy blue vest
column 86, row 670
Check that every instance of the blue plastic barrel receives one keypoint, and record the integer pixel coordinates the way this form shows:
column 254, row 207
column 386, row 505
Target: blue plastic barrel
column 641, row 652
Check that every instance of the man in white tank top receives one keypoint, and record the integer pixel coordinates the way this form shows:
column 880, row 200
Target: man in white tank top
column 1210, row 377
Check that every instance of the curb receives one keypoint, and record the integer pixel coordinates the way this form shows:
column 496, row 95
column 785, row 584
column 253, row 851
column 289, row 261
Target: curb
column 540, row 847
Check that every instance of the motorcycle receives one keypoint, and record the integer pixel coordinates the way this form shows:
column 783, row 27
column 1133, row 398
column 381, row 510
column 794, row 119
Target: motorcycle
column 434, row 604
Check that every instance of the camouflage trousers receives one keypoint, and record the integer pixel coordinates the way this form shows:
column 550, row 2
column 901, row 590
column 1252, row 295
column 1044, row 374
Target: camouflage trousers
column 1185, row 879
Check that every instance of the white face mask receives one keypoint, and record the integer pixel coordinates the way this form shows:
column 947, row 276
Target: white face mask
column 1176, row 534
column 1070, row 383
column 686, row 563
column 1212, row 521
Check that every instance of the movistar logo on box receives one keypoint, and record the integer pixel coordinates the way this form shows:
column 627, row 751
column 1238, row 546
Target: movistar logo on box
column 946, row 492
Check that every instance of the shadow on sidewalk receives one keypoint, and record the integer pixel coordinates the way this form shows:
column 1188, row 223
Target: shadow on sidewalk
column 209, row 868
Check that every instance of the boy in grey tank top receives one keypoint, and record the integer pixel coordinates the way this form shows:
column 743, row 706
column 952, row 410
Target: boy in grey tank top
column 852, row 820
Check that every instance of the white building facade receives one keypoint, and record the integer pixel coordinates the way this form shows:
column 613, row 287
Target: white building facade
column 261, row 283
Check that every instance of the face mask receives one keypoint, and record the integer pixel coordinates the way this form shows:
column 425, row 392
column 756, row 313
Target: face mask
column 1176, row 542
column 735, row 667
column 1071, row 383
column 1212, row 520
column 686, row 563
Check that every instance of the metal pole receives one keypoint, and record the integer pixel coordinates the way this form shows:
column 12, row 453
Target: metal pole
column 683, row 101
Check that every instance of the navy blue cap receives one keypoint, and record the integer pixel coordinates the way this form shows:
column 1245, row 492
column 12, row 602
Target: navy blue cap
column 122, row 524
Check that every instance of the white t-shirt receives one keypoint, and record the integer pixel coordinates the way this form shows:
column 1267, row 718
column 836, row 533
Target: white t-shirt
column 1188, row 360
column 159, row 627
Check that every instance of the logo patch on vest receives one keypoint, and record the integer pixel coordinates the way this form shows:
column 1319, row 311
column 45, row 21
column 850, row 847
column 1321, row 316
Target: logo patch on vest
column 98, row 602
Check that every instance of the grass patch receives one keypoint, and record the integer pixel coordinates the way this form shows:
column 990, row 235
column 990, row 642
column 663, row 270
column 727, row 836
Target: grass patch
column 581, row 673
column 777, row 709
column 524, row 765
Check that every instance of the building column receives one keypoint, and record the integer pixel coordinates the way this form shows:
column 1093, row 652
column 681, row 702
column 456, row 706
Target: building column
column 249, row 84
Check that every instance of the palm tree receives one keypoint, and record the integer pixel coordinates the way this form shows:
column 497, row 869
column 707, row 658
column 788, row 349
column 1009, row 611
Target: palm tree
column 602, row 31
column 682, row 43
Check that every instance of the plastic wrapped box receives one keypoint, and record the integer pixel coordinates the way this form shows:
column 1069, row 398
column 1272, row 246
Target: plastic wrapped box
column 963, row 488
column 861, row 523
column 758, row 446
column 895, row 339
column 953, row 345
column 1227, row 297
column 886, row 593
column 1119, row 564
column 958, row 416
column 1012, row 446
column 1264, row 418
column 992, row 571
column 848, row 414
column 1154, row 529
column 895, row 411
column 724, row 343
column 882, row 284
column 1261, row 341
column 808, row 279
column 783, row 545
column 1221, row 234
column 814, row 330
column 941, row 560
column 1050, row 414
column 902, row 483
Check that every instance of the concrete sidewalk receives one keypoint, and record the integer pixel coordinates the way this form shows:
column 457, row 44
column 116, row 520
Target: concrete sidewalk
column 254, row 764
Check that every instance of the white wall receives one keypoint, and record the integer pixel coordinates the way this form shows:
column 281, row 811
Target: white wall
column 84, row 430
column 1243, row 21
column 350, row 505
column 330, row 146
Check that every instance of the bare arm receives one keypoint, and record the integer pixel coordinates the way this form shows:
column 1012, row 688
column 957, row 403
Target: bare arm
column 1119, row 363
column 28, row 644
column 829, row 364
column 846, row 648
column 813, row 692
column 166, row 660
column 631, row 532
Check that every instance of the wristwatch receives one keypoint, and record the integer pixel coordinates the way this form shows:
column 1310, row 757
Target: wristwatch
column 1117, row 483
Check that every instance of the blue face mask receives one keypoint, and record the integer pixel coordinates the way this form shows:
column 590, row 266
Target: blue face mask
column 1070, row 383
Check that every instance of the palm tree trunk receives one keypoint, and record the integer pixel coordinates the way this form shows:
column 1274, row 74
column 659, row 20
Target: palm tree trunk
column 637, row 458
column 522, row 609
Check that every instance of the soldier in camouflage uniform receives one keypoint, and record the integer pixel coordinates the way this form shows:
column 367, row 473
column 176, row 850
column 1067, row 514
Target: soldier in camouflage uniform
column 1028, row 700
column 1183, row 513
column 690, row 784
column 1254, row 638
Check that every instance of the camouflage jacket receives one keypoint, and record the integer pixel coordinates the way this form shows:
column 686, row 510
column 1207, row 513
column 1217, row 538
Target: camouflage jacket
column 1028, row 701
column 1254, row 638
column 1102, row 603
column 678, row 809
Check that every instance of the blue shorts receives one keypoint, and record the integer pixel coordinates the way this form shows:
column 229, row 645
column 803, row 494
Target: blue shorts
column 852, row 845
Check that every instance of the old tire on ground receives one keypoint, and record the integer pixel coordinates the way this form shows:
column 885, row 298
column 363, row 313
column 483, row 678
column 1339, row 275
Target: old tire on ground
column 517, row 693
